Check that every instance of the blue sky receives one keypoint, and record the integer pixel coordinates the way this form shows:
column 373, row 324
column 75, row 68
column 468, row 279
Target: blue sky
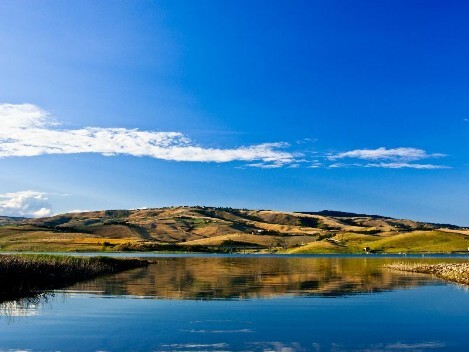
column 290, row 105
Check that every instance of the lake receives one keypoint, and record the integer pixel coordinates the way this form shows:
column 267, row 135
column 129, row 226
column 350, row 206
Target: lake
column 247, row 303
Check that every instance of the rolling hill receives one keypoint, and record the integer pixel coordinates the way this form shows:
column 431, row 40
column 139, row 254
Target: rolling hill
column 214, row 229
column 5, row 220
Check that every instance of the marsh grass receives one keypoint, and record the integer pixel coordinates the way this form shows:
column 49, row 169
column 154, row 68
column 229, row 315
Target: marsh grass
column 27, row 275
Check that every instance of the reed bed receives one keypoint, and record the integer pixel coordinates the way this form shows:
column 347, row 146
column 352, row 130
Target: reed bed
column 26, row 275
column 455, row 272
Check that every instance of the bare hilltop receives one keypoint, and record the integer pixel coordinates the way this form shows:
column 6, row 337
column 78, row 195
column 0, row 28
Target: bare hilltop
column 211, row 229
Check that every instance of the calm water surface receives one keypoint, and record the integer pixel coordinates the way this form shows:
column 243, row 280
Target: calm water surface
column 233, row 303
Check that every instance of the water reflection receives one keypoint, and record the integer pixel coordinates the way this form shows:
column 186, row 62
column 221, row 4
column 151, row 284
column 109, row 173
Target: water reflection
column 201, row 306
column 224, row 278
column 25, row 307
column 20, row 308
column 241, row 278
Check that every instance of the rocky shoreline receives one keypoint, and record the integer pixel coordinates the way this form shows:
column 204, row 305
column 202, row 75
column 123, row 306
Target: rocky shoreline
column 455, row 272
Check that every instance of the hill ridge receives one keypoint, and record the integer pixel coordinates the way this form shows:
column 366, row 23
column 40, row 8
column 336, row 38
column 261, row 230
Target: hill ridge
column 222, row 228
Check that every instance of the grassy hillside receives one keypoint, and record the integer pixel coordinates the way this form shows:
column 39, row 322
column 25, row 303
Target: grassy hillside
column 228, row 230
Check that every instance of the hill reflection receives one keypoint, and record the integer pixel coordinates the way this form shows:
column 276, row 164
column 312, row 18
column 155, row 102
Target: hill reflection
column 244, row 278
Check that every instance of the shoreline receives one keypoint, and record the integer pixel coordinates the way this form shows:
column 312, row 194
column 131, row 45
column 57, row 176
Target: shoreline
column 145, row 254
column 454, row 272
column 27, row 275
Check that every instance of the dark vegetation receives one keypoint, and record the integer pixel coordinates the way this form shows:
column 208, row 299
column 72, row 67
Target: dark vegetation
column 228, row 246
column 324, row 236
column 309, row 222
column 367, row 232
column 161, row 247
column 27, row 275
column 220, row 213
column 343, row 214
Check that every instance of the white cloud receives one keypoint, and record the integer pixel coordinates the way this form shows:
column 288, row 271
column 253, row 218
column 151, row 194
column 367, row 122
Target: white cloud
column 23, row 116
column 25, row 204
column 407, row 154
column 306, row 140
column 77, row 211
column 396, row 165
column 315, row 164
column 393, row 158
column 26, row 130
column 408, row 165
column 265, row 165
column 343, row 165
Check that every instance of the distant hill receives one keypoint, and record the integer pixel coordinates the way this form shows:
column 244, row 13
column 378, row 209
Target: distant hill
column 227, row 229
column 4, row 220
column 343, row 214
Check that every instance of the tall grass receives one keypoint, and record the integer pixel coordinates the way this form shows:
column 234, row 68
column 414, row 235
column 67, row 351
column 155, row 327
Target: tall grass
column 26, row 275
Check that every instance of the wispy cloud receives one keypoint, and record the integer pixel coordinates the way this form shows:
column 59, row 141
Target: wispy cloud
column 27, row 130
column 265, row 165
column 306, row 140
column 343, row 165
column 393, row 158
column 389, row 166
column 25, row 204
column 407, row 165
column 409, row 154
column 315, row 164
